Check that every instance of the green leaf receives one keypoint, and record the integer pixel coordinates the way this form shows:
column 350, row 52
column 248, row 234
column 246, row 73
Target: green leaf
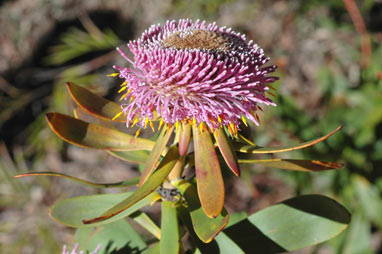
column 297, row 165
column 116, row 237
column 72, row 211
column 148, row 187
column 122, row 184
column 209, row 179
column 145, row 221
column 94, row 104
column 243, row 148
column 86, row 135
column 170, row 239
column 184, row 138
column 157, row 150
column 290, row 225
column 206, row 228
column 139, row 156
column 227, row 151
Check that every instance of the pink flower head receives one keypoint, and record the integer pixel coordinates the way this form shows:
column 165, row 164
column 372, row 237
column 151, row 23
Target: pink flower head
column 197, row 72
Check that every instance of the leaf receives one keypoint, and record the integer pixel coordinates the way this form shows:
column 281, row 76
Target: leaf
column 72, row 211
column 154, row 156
column 288, row 226
column 184, row 138
column 209, row 179
column 293, row 224
column 206, row 228
column 122, row 184
column 256, row 149
column 144, row 220
column 139, row 156
column 227, row 151
column 86, row 135
column 148, row 187
column 115, row 237
column 297, row 165
column 170, row 238
column 94, row 104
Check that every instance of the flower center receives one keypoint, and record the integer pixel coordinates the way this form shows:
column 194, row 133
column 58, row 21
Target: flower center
column 197, row 39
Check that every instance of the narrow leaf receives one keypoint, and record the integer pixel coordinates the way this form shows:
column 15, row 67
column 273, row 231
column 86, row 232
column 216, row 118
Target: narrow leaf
column 297, row 165
column 256, row 149
column 185, row 138
column 206, row 228
column 94, row 104
column 209, row 179
column 157, row 150
column 144, row 220
column 139, row 156
column 170, row 240
column 148, row 187
column 97, row 105
column 72, row 211
column 227, row 151
column 126, row 183
column 85, row 134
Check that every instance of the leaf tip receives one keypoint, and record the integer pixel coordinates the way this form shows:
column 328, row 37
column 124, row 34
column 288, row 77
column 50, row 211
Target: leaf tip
column 49, row 116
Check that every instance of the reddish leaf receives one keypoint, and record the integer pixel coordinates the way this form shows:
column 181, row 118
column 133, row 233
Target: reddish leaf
column 256, row 149
column 227, row 151
column 94, row 104
column 209, row 179
column 184, row 138
column 85, row 134
column 297, row 165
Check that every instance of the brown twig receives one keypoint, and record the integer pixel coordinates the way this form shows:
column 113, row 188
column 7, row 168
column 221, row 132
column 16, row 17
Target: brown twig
column 360, row 27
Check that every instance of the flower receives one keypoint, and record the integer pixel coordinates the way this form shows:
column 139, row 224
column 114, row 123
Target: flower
column 196, row 72
column 75, row 249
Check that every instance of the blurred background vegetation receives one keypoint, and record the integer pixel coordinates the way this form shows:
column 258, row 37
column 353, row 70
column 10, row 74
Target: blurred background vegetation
column 329, row 56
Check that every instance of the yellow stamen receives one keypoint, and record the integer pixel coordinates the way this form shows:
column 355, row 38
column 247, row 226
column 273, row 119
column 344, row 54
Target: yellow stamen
column 168, row 127
column 216, row 134
column 146, row 122
column 132, row 98
column 115, row 74
column 123, row 96
column 122, row 89
column 201, row 127
column 124, row 83
column 129, row 91
column 219, row 120
column 117, row 115
column 244, row 120
column 152, row 126
column 135, row 122
column 160, row 124
column 138, row 132
column 232, row 126
column 176, row 125
column 194, row 121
